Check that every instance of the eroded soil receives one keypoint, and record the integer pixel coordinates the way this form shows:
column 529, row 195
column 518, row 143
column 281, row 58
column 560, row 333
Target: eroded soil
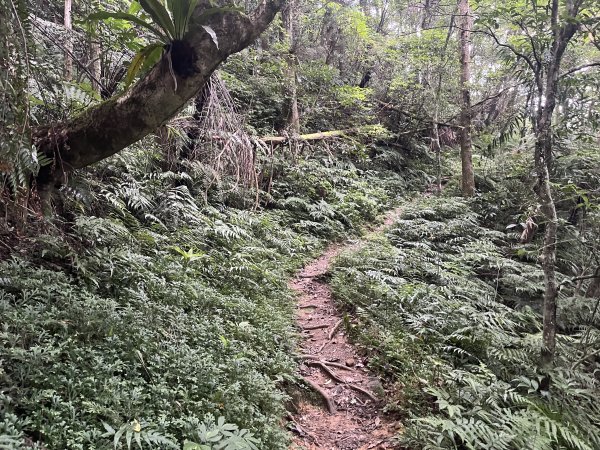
column 349, row 415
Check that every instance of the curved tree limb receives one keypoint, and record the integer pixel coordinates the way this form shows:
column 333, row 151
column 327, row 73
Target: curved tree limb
column 109, row 127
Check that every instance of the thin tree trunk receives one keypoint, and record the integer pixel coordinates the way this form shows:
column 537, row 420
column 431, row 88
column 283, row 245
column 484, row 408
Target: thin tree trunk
column 548, row 256
column 466, row 146
column 68, row 72
column 543, row 160
column 96, row 64
column 290, row 112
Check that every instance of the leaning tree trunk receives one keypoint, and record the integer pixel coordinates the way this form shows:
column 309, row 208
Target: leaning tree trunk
column 466, row 145
column 105, row 129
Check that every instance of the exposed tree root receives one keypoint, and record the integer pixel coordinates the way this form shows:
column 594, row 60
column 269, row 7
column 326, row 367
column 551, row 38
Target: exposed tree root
column 334, row 329
column 364, row 391
column 315, row 327
column 330, row 405
column 327, row 370
column 328, row 363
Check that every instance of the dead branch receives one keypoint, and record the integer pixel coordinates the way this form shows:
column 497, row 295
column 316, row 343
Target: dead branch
column 308, row 137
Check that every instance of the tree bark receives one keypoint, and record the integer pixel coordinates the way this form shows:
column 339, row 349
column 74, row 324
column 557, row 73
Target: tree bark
column 466, row 145
column 68, row 71
column 109, row 127
column 291, row 116
column 96, row 65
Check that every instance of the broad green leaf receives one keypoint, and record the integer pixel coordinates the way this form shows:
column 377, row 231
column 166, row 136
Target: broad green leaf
column 160, row 15
column 103, row 15
column 192, row 4
column 177, row 13
column 134, row 8
column 152, row 58
column 140, row 60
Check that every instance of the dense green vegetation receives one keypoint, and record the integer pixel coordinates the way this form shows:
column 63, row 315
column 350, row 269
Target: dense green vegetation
column 166, row 166
column 152, row 305
column 447, row 306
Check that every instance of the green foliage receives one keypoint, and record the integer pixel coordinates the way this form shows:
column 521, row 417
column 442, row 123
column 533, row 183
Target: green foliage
column 169, row 25
column 19, row 160
column 152, row 308
column 449, row 318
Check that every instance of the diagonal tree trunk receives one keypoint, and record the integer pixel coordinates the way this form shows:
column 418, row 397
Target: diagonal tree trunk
column 109, row 127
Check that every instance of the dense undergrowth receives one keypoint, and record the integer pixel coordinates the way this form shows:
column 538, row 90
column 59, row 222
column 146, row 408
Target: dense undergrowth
column 157, row 310
column 446, row 309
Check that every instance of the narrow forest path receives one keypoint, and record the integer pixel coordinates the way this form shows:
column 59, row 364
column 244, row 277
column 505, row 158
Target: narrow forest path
column 350, row 415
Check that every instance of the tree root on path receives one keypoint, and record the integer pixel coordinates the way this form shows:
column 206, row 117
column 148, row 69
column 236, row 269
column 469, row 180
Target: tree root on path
column 327, row 363
column 315, row 327
column 334, row 329
column 330, row 405
column 364, row 391
column 310, row 305
column 327, row 370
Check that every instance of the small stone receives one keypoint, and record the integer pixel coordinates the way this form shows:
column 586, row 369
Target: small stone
column 350, row 362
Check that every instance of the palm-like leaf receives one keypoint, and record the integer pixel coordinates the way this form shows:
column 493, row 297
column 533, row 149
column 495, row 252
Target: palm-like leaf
column 160, row 16
column 103, row 15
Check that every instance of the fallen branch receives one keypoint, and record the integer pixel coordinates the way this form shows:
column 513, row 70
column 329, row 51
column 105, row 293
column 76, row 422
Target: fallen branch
column 308, row 137
column 310, row 305
column 328, row 401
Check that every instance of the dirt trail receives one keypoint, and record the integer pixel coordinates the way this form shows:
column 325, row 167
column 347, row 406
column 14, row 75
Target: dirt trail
column 350, row 415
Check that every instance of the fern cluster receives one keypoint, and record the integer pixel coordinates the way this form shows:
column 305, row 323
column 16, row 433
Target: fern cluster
column 447, row 312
